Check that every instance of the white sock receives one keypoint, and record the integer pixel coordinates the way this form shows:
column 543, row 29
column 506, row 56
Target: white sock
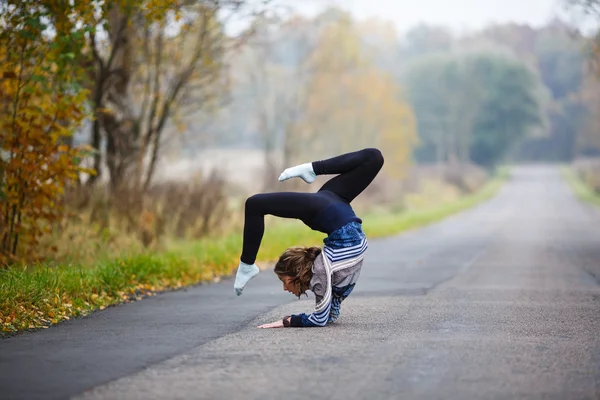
column 244, row 273
column 304, row 171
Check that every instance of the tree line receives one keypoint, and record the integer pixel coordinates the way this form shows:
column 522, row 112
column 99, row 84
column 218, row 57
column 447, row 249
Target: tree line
column 506, row 93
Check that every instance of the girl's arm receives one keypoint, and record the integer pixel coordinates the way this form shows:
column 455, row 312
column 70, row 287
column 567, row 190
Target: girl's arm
column 319, row 317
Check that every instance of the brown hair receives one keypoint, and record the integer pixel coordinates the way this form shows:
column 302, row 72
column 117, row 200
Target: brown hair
column 297, row 262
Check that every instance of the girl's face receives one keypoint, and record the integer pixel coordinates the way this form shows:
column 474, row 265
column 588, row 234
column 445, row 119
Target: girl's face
column 289, row 285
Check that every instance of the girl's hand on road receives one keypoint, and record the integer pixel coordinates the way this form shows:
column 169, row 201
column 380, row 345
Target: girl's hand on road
column 276, row 324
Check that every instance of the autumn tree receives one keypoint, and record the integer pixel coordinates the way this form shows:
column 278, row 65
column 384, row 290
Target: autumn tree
column 146, row 77
column 352, row 102
column 273, row 71
column 379, row 38
column 42, row 103
column 313, row 87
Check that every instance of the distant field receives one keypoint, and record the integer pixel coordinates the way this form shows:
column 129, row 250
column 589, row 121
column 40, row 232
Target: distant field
column 242, row 167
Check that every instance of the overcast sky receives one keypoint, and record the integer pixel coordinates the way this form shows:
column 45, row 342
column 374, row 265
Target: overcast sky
column 460, row 15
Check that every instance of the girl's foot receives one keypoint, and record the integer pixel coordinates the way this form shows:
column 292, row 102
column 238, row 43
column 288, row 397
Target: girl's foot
column 304, row 171
column 244, row 273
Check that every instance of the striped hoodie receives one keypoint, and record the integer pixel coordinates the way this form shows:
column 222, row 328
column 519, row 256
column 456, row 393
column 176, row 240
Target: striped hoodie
column 335, row 272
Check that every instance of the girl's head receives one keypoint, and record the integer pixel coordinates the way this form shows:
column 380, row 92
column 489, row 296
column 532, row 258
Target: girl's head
column 294, row 268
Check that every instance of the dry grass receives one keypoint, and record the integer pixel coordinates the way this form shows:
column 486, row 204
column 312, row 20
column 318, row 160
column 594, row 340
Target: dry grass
column 100, row 225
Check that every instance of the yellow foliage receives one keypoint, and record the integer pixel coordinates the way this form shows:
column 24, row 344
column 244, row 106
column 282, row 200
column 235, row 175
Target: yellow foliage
column 356, row 102
column 40, row 109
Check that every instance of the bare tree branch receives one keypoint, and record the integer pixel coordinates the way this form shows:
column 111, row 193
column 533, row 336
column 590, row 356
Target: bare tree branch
column 95, row 52
column 156, row 91
column 147, row 83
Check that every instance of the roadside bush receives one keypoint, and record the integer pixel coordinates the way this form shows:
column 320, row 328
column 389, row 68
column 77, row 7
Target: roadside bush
column 468, row 178
column 99, row 223
column 41, row 103
column 588, row 170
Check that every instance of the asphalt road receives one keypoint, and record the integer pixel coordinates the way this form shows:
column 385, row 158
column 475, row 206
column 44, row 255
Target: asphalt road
column 499, row 302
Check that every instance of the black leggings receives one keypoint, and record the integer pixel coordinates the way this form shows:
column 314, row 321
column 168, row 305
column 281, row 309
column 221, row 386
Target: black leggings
column 356, row 171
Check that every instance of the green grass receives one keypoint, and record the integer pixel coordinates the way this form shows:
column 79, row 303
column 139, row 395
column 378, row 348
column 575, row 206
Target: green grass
column 38, row 296
column 581, row 190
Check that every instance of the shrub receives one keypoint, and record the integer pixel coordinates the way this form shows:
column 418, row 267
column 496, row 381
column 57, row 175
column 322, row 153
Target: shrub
column 40, row 104
column 588, row 170
column 100, row 222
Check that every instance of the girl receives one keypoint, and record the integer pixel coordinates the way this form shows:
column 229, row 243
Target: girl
column 330, row 273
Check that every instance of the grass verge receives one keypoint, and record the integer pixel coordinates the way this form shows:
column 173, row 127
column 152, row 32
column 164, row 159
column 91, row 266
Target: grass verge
column 38, row 296
column 581, row 190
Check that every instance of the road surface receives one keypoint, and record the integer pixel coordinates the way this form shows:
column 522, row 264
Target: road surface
column 499, row 302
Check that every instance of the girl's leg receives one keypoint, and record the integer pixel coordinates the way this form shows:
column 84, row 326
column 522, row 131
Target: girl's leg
column 356, row 171
column 302, row 206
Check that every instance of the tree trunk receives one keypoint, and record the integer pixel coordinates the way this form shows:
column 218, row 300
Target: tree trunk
column 119, row 125
column 96, row 135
